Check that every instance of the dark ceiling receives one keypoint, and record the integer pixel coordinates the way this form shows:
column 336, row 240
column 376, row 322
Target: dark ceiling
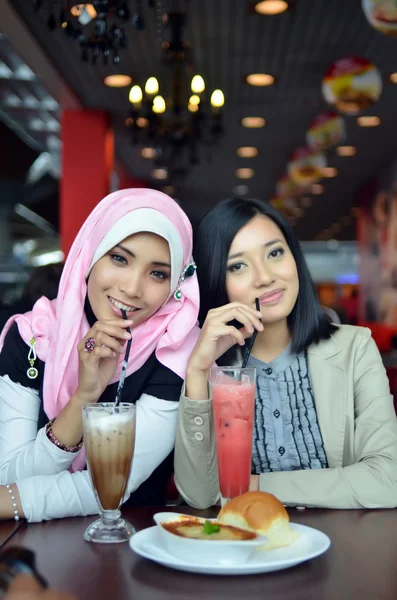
column 230, row 41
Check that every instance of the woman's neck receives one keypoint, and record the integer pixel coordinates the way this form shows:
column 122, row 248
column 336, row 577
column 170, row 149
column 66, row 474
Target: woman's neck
column 272, row 341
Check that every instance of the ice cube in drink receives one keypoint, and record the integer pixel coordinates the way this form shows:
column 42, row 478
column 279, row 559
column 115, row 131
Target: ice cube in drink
column 233, row 406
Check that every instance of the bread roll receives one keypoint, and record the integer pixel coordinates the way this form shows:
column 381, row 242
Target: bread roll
column 262, row 513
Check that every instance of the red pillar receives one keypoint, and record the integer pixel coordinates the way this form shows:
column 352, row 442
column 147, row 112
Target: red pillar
column 87, row 163
column 128, row 182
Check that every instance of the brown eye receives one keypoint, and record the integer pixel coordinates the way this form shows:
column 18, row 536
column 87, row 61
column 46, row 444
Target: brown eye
column 277, row 252
column 235, row 268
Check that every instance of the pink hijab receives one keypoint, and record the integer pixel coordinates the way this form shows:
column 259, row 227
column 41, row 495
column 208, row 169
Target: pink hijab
column 58, row 325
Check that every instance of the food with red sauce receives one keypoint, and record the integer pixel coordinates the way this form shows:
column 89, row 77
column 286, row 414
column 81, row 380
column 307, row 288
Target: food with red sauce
column 207, row 530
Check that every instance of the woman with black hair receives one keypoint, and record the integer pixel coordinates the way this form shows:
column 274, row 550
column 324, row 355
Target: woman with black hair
column 325, row 430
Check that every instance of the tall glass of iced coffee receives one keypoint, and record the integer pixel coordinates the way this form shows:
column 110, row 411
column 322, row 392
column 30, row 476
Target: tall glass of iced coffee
column 109, row 440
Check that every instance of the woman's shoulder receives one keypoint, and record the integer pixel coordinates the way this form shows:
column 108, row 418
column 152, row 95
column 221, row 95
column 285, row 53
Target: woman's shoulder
column 344, row 339
column 351, row 333
column 14, row 360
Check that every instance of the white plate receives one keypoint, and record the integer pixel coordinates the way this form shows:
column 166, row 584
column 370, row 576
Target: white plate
column 311, row 543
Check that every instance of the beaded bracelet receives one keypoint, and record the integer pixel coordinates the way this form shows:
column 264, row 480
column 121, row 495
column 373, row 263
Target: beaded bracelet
column 13, row 500
column 53, row 440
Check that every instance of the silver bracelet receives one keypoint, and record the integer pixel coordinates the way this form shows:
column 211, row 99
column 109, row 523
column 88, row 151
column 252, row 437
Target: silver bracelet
column 14, row 504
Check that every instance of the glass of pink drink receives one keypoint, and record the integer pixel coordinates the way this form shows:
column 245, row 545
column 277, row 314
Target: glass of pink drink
column 233, row 399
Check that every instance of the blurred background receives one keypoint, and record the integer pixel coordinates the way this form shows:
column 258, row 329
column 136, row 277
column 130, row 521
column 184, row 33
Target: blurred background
column 290, row 101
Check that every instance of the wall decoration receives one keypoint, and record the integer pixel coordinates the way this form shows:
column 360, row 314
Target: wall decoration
column 352, row 85
column 306, row 166
column 382, row 15
column 326, row 130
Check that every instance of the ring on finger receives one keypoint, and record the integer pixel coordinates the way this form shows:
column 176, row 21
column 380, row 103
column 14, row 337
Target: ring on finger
column 89, row 344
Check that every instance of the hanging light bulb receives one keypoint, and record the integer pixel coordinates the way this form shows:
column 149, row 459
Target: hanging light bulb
column 151, row 86
column 217, row 99
column 197, row 85
column 194, row 100
column 135, row 95
column 158, row 105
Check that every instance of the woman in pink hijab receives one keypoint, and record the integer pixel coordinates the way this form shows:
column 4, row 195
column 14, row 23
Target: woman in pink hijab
column 134, row 253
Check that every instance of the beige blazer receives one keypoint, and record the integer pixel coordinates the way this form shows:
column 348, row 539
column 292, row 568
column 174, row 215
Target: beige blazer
column 357, row 421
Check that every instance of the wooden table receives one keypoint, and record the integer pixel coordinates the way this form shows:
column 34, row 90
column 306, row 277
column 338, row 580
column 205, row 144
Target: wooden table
column 361, row 563
column 7, row 530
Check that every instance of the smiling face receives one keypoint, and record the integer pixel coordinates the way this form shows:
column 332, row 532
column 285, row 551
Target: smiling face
column 260, row 265
column 134, row 275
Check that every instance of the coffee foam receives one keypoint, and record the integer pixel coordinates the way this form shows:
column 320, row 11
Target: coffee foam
column 107, row 419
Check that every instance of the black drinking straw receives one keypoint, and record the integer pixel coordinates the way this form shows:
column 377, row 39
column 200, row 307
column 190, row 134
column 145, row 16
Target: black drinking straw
column 252, row 341
column 125, row 363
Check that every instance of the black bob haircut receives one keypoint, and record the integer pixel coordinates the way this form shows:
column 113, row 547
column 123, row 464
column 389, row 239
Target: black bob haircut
column 307, row 322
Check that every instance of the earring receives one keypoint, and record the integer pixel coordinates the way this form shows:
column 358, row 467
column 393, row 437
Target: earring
column 32, row 372
column 187, row 272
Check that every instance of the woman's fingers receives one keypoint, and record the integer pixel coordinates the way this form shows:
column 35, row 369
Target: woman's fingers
column 116, row 330
column 102, row 339
column 246, row 307
column 103, row 331
column 243, row 315
column 228, row 330
column 102, row 352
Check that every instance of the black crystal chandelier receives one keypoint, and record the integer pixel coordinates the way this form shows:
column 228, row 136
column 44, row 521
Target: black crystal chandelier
column 100, row 26
column 171, row 118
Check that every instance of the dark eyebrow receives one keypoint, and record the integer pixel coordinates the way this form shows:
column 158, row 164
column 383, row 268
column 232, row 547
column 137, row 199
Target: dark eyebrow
column 264, row 246
column 155, row 263
column 125, row 250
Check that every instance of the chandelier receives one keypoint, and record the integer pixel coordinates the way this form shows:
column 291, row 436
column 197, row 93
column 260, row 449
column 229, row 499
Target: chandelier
column 99, row 27
column 178, row 117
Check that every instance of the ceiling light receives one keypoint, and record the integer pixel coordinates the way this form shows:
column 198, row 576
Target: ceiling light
column 259, row 79
column 197, row 86
column 317, row 189
column 160, row 173
column 135, row 96
column 142, row 122
column 240, row 190
column 159, row 106
column 151, row 86
column 271, row 7
column 148, row 152
column 192, row 108
column 194, row 100
column 346, row 150
column 245, row 173
column 217, row 99
column 330, row 172
column 253, row 122
column 47, row 258
column 247, row 152
column 117, row 81
column 368, row 121
column 393, row 77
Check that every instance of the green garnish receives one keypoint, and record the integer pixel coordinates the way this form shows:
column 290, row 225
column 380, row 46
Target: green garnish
column 210, row 528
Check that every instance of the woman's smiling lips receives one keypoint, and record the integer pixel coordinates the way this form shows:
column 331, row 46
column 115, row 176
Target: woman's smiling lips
column 271, row 297
column 117, row 306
